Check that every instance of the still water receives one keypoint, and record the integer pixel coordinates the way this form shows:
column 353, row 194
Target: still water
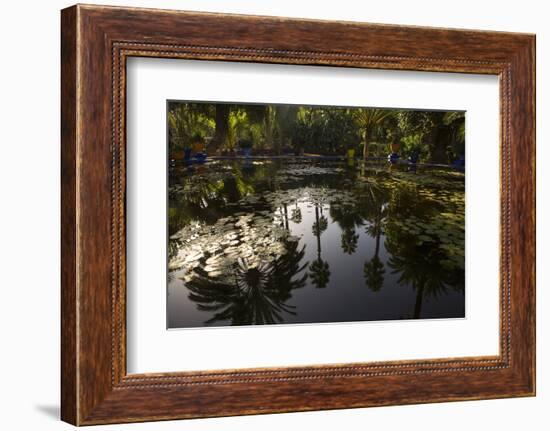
column 281, row 241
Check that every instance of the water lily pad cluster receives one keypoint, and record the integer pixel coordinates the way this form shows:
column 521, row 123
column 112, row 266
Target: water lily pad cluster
column 199, row 187
column 310, row 195
column 258, row 238
column 294, row 171
column 434, row 179
column 437, row 219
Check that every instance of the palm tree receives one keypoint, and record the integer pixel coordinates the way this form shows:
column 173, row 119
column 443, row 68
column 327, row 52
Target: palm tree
column 370, row 119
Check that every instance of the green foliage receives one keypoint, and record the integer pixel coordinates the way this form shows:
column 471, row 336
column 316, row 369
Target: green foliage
column 412, row 143
column 371, row 120
column 238, row 126
column 325, row 130
column 187, row 122
column 269, row 128
column 198, row 137
column 377, row 149
column 286, row 119
column 455, row 121
column 255, row 135
column 438, row 136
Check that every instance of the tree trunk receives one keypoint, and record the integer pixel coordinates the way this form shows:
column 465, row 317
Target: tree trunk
column 378, row 233
column 222, row 126
column 366, row 145
column 438, row 144
column 418, row 304
column 286, row 217
column 318, row 232
column 268, row 129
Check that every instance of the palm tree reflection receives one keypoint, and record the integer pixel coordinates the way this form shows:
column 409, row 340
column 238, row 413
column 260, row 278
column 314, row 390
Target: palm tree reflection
column 347, row 217
column 319, row 269
column 349, row 241
column 373, row 269
column 375, row 206
column 415, row 257
column 420, row 267
column 253, row 294
column 296, row 215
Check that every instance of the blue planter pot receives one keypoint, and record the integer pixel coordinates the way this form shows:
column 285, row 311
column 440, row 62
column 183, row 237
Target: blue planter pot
column 393, row 157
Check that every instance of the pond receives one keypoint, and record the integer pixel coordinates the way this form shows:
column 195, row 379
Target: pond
column 283, row 241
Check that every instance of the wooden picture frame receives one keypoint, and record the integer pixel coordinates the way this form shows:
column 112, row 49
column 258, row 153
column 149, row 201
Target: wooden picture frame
column 95, row 43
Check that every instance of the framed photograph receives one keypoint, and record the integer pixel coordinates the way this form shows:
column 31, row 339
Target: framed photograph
column 264, row 214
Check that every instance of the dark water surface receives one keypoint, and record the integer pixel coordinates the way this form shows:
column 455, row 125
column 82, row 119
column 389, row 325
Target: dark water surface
column 279, row 241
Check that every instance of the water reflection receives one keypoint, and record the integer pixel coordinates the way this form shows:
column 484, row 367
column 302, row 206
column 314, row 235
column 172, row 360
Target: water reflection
column 319, row 269
column 296, row 241
column 251, row 292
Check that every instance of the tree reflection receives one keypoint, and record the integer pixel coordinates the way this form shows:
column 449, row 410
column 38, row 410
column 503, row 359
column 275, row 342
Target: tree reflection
column 347, row 217
column 348, row 241
column 373, row 272
column 419, row 268
column 296, row 215
column 201, row 194
column 251, row 294
column 373, row 206
column 373, row 269
column 415, row 255
column 319, row 270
